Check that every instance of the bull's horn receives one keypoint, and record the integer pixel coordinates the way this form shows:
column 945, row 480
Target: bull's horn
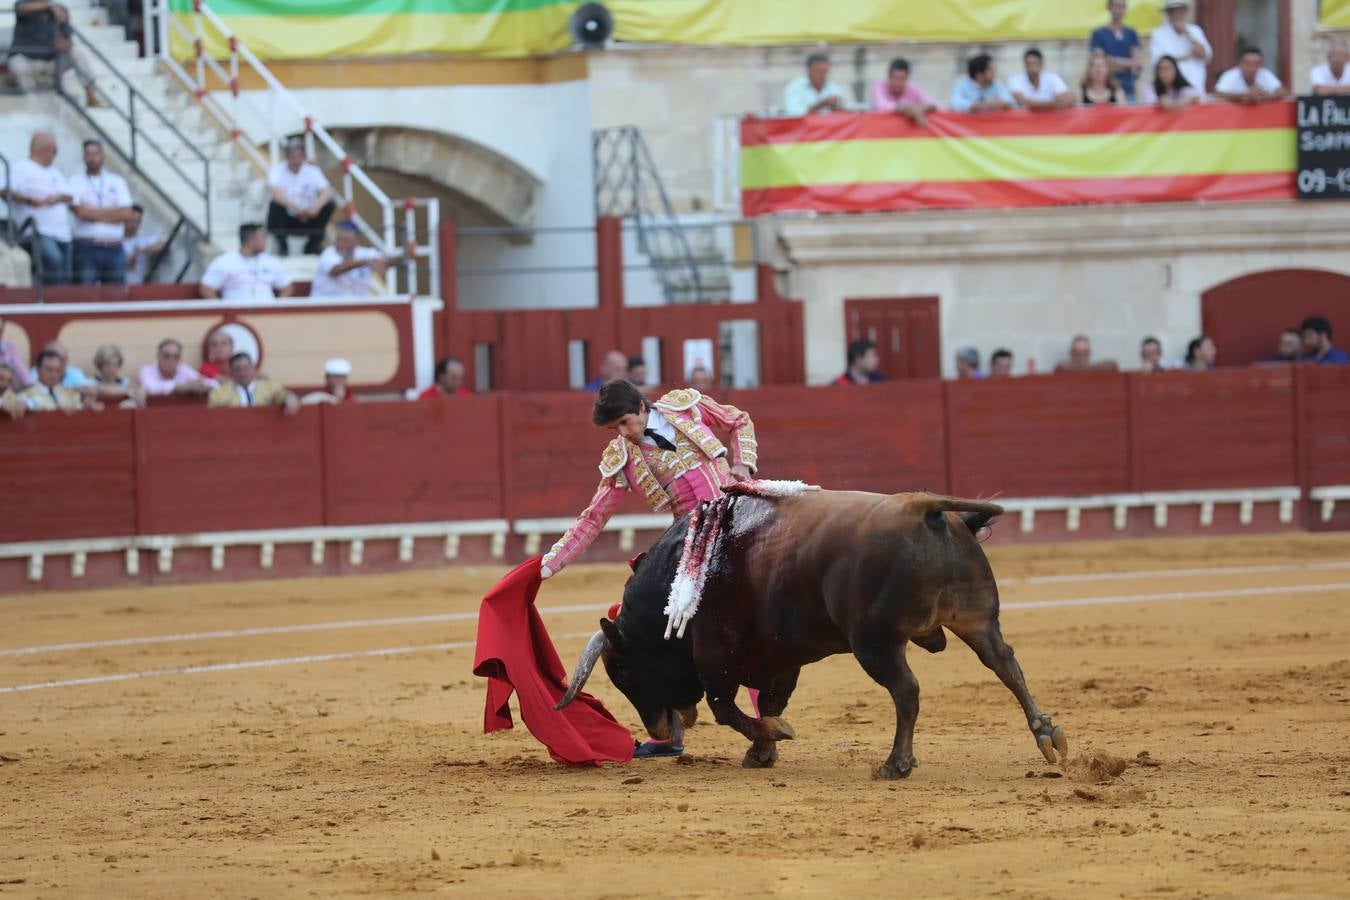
column 597, row 645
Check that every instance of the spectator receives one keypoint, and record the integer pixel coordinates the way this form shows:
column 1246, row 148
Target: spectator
column 1249, row 81
column 72, row 377
column 335, row 387
column 863, row 363
column 637, row 370
column 1334, row 76
column 47, row 393
column 38, row 191
column 1201, row 354
column 9, row 355
column 968, row 363
column 108, row 377
column 245, row 388
column 219, row 349
column 980, row 90
column 102, row 206
column 1080, row 358
column 700, row 379
column 168, row 374
column 1036, row 88
column 1184, row 42
column 1290, row 347
column 1120, row 44
column 248, row 273
column 1317, row 346
column 10, row 404
column 896, row 93
column 449, row 380
column 1169, row 88
column 41, row 48
column 813, row 92
column 1151, row 356
column 139, row 248
column 1001, row 363
column 1099, row 86
column 347, row 269
column 614, row 365
column 302, row 202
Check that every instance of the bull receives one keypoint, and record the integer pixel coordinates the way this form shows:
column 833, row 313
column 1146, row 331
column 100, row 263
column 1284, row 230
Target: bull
column 794, row 580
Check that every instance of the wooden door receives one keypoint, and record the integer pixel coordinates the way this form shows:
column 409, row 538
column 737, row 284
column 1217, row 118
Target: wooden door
column 905, row 330
column 1245, row 316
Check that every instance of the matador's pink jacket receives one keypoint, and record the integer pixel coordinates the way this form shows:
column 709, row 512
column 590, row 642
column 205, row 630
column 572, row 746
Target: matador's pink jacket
column 670, row 480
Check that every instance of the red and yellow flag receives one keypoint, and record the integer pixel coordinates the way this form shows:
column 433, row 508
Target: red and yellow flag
column 879, row 161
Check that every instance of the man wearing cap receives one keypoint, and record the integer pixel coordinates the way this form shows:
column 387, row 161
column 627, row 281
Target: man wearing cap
column 102, row 205
column 245, row 388
column 302, row 202
column 968, row 363
column 335, row 388
column 347, row 269
column 1184, row 41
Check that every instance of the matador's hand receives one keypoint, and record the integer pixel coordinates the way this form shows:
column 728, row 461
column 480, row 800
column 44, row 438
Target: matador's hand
column 741, row 473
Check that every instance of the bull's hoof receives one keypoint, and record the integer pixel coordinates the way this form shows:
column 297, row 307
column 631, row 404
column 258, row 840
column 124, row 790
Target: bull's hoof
column 1051, row 740
column 775, row 729
column 894, row 770
column 689, row 715
column 760, row 758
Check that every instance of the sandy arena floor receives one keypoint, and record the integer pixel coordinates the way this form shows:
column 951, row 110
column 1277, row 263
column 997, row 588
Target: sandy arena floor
column 1224, row 691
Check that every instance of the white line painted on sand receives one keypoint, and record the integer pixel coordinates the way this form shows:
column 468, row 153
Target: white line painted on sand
column 1177, row 573
column 458, row 645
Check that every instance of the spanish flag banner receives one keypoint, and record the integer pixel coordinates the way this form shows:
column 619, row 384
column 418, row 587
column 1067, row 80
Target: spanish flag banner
column 1334, row 14
column 881, row 161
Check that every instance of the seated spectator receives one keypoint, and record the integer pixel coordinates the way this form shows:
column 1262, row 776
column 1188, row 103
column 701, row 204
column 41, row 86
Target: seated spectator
column 1036, row 88
column 1333, row 77
column 1249, row 81
column 637, row 370
column 614, row 365
column 348, row 269
column 9, row 354
column 41, row 49
column 102, row 205
column 863, row 362
column 898, row 94
column 700, row 379
column 813, row 92
column 219, row 349
column 245, row 388
column 1317, row 346
column 72, row 377
column 1119, row 43
column 1201, row 354
column 168, row 374
column 1290, row 347
column 109, row 380
column 248, row 273
column 48, row 394
column 1001, row 363
column 335, row 387
column 1151, row 356
column 139, row 248
column 302, row 202
column 37, row 191
column 968, row 363
column 1080, row 358
column 1169, row 88
column 10, row 404
column 980, row 90
column 449, row 380
column 1099, row 86
column 1184, row 42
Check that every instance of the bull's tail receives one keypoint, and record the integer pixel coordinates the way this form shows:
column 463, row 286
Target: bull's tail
column 976, row 514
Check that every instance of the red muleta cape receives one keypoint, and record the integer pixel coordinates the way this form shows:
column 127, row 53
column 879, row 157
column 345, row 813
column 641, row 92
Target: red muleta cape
column 515, row 653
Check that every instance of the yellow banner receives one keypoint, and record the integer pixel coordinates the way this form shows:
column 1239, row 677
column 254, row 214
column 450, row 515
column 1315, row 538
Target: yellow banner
column 1335, row 14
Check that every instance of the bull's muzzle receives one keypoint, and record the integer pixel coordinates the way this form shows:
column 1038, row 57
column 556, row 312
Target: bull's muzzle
column 595, row 648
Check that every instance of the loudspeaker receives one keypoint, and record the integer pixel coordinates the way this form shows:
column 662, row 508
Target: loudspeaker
column 591, row 25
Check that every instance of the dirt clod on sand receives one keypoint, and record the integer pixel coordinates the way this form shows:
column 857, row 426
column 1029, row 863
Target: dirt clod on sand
column 1097, row 767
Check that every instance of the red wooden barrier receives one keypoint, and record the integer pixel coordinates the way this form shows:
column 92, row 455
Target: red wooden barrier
column 1325, row 409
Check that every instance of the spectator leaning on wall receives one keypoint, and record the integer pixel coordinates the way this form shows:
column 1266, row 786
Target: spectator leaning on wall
column 249, row 273
column 336, row 372
column 863, row 362
column 1035, row 88
column 1184, row 42
column 1001, row 363
column 1120, row 43
column 1169, row 88
column 72, row 377
column 1317, row 346
column 1151, row 356
column 48, row 394
column 245, row 388
column 1333, row 77
column 1289, row 347
column 1249, row 81
column 347, row 269
column 168, row 374
column 813, row 92
column 980, row 90
column 449, row 381
column 898, row 93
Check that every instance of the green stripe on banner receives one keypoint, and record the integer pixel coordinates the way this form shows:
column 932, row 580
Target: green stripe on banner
column 326, row 8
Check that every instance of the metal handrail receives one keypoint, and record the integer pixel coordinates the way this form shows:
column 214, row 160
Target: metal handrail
column 35, row 254
column 9, row 217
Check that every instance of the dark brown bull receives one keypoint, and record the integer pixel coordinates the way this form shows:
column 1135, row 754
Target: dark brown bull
column 795, row 580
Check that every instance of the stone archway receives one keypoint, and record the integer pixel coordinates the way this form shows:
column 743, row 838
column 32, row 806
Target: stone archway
column 1244, row 316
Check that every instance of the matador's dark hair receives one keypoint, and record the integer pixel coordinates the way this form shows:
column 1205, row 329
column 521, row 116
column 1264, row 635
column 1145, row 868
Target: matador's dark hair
column 617, row 399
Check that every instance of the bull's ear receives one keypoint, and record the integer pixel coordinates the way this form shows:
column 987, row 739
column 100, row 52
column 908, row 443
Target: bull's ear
column 612, row 632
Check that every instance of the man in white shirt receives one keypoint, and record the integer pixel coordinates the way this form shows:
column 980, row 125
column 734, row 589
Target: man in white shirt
column 139, row 247
column 37, row 191
column 1333, row 77
column 813, row 92
column 1184, row 42
column 1248, row 81
column 302, row 201
column 1036, row 88
column 347, row 269
column 102, row 205
column 248, row 273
